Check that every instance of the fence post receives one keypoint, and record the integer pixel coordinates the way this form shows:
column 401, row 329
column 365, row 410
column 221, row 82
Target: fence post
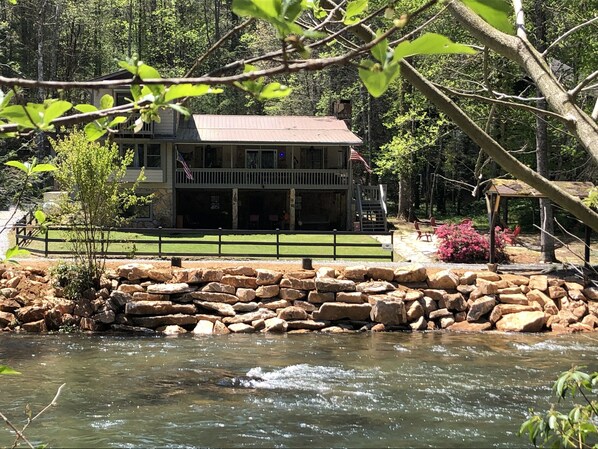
column 277, row 243
column 160, row 242
column 392, row 246
column 46, row 242
column 334, row 244
column 219, row 242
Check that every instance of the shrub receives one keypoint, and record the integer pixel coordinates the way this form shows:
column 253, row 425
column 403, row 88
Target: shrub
column 461, row 243
column 74, row 278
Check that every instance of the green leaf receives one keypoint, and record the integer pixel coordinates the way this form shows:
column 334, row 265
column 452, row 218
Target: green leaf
column 291, row 9
column 14, row 252
column 41, row 168
column 379, row 51
column 128, row 66
column 354, row 10
column 119, row 119
column 260, row 9
column 274, row 90
column 146, row 72
column 54, row 109
column 18, row 115
column 93, row 131
column 7, row 370
column 5, row 98
column 85, row 108
column 495, row 12
column 180, row 109
column 429, row 44
column 107, row 101
column 377, row 80
column 40, row 216
column 280, row 13
column 186, row 90
column 19, row 165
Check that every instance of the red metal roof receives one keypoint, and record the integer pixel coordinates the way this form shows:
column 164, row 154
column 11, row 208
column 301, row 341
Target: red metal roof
column 265, row 129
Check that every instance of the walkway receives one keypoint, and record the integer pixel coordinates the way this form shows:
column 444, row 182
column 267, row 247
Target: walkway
column 410, row 249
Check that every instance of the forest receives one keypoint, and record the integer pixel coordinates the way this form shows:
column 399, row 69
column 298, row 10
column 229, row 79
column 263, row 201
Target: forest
column 431, row 166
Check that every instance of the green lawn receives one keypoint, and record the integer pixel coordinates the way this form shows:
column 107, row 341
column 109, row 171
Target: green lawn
column 134, row 244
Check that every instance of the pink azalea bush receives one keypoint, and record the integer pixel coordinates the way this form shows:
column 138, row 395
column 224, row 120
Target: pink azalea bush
column 461, row 243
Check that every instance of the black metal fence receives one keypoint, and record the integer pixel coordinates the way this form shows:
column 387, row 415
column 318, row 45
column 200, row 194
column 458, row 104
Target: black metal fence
column 221, row 243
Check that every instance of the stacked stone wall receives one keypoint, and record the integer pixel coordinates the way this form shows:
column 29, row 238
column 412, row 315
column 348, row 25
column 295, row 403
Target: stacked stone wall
column 141, row 298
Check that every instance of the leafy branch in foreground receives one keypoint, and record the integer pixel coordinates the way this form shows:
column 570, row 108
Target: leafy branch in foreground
column 576, row 428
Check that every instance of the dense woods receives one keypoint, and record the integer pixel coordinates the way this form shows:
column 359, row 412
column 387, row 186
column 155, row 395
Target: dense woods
column 429, row 164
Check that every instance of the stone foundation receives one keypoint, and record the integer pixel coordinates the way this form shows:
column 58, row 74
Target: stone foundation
column 140, row 298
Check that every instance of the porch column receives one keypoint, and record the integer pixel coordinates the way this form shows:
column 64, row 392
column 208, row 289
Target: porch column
column 292, row 210
column 235, row 207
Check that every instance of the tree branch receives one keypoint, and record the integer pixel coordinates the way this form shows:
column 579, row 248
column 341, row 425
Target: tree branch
column 577, row 89
column 568, row 33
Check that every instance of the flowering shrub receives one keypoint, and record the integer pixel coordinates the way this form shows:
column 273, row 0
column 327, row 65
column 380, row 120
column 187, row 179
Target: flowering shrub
column 462, row 243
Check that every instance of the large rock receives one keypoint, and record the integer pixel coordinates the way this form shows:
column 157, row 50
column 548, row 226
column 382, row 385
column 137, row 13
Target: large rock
column 244, row 307
column 556, row 292
column 214, row 297
column 31, row 313
column 157, row 308
column 480, row 307
column 188, row 276
column 353, row 297
column 239, row 281
column 292, row 313
column 591, row 293
column 144, row 296
column 324, row 285
column 319, row 298
column 332, row 311
column 466, row 326
column 381, row 274
column 518, row 298
column 306, row 325
column 170, row 289
column 440, row 313
column 245, row 294
column 240, row 271
column 134, row 271
column 249, row 317
column 326, row 272
column 173, row 330
column 410, row 275
column 389, row 313
column 120, row 298
column 267, row 277
column 446, row 280
column 35, row 326
column 419, row 325
column 220, row 308
column 414, row 311
column 164, row 320
column 241, row 328
column 538, row 282
column 276, row 304
column 220, row 328
column 298, row 284
column 160, row 275
column 537, row 296
column 267, row 291
column 356, row 273
column 204, row 327
column 522, row 322
column 374, row 287
column 9, row 305
column 7, row 319
column 291, row 294
column 455, row 302
column 219, row 287
column 106, row 317
column 275, row 325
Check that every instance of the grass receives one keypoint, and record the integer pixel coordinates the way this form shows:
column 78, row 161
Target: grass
column 132, row 244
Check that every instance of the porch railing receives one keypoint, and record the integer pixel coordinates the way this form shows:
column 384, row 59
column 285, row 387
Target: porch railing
column 126, row 129
column 263, row 177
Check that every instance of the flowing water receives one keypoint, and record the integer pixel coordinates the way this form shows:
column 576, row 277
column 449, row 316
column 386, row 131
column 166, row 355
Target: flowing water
column 359, row 390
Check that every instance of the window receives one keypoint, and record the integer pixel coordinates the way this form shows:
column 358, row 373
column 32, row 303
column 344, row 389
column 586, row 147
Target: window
column 148, row 155
column 312, row 158
column 213, row 157
column 260, row 159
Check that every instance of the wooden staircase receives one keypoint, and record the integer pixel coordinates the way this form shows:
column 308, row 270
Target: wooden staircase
column 370, row 208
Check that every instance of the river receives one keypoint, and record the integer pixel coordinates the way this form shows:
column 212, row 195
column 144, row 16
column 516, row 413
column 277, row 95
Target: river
column 358, row 390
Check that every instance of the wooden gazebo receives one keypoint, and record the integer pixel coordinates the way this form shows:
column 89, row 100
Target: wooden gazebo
column 500, row 189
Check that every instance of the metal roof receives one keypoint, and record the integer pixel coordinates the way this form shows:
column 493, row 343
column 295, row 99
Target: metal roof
column 265, row 129
column 518, row 189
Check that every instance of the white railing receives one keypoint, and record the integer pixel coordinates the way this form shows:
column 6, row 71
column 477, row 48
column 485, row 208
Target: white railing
column 264, row 177
column 127, row 127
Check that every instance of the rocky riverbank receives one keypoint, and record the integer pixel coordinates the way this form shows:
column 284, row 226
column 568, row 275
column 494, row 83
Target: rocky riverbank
column 142, row 298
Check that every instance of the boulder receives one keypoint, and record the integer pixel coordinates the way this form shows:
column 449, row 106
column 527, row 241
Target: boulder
column 440, row 313
column 556, row 292
column 445, row 280
column 241, row 328
column 157, row 308
column 538, row 282
column 240, row 271
column 120, row 298
column 7, row 319
column 538, row 297
column 301, row 274
column 333, row 311
column 410, row 275
column 214, row 297
column 9, row 305
column 484, row 287
column 188, row 276
column 106, row 317
column 577, row 295
column 292, row 313
column 245, row 294
column 219, row 287
column 468, row 278
column 374, row 287
column 446, row 322
column 352, row 297
column 332, row 285
column 275, row 304
column 326, row 272
column 488, row 276
column 211, row 275
column 170, row 289
column 480, row 307
column 203, row 327
column 267, row 277
column 307, row 306
column 356, row 273
column 249, row 317
column 220, row 328
column 414, row 311
column 31, row 313
column 130, row 288
column 591, row 293
column 466, row 326
column 144, row 296
column 275, row 325
column 419, row 325
column 134, row 271
column 220, row 308
column 267, row 291
column 159, row 275
column 154, row 322
column 298, row 284
column 389, row 313
column 436, row 295
column 429, row 305
column 319, row 298
column 455, row 302
column 522, row 322
column 519, row 298
column 381, row 274
column 244, row 307
column 306, row 325
column 172, row 330
column 239, row 281
column 291, row 294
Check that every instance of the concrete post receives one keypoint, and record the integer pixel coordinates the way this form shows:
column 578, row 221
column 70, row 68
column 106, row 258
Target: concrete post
column 292, row 210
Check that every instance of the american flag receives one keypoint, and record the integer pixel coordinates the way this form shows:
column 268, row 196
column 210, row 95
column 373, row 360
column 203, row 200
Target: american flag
column 181, row 159
column 355, row 156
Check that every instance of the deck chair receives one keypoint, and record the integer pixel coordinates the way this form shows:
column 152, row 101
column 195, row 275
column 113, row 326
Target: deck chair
column 421, row 233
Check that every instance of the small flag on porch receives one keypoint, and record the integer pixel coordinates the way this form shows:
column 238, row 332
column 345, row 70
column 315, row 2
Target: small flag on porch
column 181, row 159
column 355, row 156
